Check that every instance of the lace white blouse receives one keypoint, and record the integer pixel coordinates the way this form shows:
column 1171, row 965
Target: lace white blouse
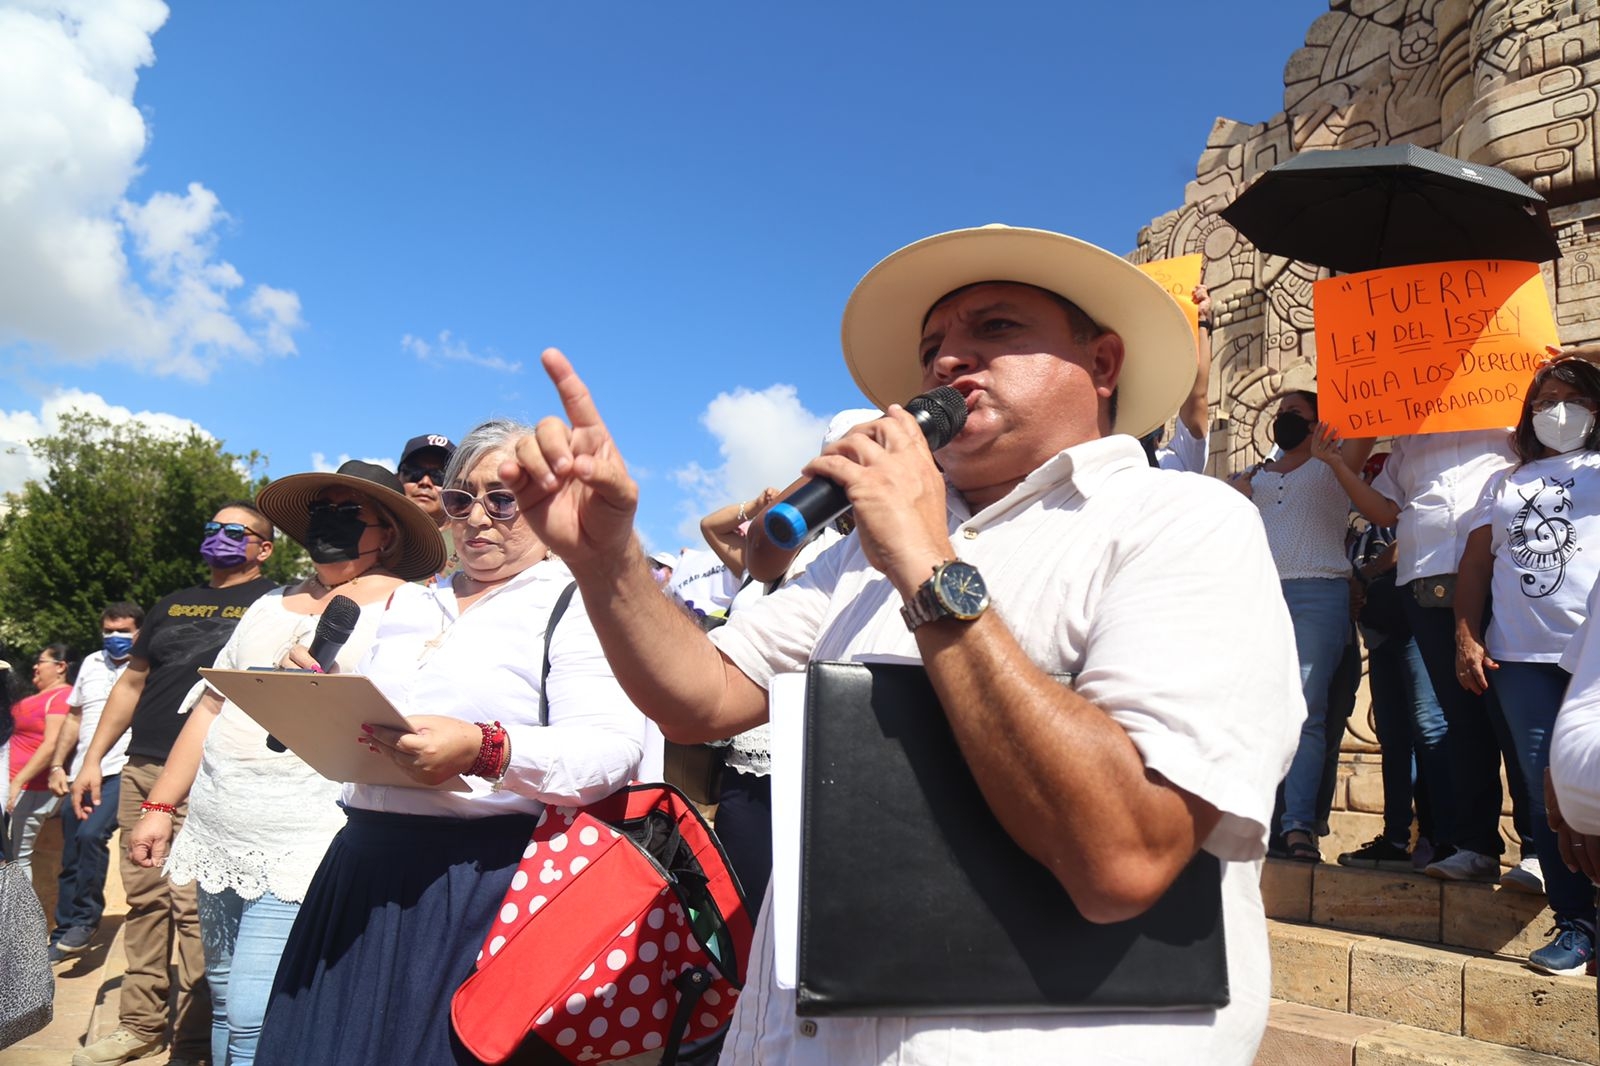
column 259, row 820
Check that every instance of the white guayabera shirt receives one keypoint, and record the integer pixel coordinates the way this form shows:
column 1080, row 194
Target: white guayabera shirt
column 1083, row 561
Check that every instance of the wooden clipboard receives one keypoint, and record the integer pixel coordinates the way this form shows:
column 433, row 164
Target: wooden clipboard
column 318, row 716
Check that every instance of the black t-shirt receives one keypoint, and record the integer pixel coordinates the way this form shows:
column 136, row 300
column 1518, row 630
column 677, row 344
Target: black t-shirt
column 184, row 632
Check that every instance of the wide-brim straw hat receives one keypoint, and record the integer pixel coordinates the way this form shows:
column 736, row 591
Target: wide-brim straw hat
column 421, row 553
column 882, row 330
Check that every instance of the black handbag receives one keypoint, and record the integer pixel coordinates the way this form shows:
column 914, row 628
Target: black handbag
column 915, row 901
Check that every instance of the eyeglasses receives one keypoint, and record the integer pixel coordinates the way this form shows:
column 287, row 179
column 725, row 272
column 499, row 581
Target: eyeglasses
column 327, row 508
column 499, row 504
column 231, row 530
column 47, row 662
column 415, row 472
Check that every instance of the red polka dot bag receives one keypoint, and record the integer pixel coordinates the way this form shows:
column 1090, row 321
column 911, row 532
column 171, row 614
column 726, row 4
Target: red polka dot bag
column 624, row 932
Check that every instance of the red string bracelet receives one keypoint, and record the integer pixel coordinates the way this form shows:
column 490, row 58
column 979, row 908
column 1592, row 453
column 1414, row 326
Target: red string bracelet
column 492, row 754
column 164, row 808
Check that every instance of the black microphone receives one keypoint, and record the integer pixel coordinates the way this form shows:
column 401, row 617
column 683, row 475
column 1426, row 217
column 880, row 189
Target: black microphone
column 807, row 510
column 338, row 621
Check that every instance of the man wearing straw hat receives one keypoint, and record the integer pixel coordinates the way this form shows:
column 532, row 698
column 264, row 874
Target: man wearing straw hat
column 1064, row 354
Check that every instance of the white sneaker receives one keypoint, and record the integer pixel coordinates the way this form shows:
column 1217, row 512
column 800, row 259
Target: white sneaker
column 1466, row 866
column 1525, row 876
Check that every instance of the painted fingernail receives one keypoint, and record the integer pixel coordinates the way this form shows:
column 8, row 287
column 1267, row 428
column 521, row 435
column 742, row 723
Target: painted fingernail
column 315, row 669
column 367, row 729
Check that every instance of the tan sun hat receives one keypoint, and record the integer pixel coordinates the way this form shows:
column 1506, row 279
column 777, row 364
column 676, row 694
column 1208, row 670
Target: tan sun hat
column 421, row 553
column 883, row 319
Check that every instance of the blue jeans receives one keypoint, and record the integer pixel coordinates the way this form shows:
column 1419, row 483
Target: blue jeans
column 1468, row 812
column 243, row 940
column 85, row 859
column 1530, row 695
column 1411, row 734
column 1320, row 611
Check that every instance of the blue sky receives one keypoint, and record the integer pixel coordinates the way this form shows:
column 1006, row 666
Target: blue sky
column 318, row 229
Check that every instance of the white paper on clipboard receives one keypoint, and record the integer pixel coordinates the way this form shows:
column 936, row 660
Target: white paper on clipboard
column 318, row 716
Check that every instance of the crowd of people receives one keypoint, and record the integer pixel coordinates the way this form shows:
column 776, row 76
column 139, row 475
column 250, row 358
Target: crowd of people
column 317, row 921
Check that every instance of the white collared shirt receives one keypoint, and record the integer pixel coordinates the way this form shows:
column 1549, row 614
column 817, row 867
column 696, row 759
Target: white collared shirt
column 483, row 665
column 96, row 678
column 1084, row 560
column 1436, row 479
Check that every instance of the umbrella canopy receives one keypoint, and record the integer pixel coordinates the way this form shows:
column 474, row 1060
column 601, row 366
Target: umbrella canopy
column 1365, row 208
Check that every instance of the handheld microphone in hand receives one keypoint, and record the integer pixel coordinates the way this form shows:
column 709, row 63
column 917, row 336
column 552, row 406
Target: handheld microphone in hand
column 807, row 510
column 338, row 622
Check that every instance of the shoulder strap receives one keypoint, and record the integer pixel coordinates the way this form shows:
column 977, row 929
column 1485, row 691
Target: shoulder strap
column 549, row 631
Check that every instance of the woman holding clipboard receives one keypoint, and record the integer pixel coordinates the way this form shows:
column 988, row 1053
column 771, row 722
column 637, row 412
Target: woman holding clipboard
column 259, row 817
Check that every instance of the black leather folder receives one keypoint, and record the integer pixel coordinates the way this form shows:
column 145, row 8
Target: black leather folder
column 914, row 901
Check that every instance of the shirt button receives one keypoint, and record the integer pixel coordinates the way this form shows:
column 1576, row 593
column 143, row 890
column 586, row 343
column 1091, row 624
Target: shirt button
column 808, row 1028
column 970, row 534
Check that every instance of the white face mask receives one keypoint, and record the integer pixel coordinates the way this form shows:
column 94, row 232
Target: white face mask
column 1563, row 427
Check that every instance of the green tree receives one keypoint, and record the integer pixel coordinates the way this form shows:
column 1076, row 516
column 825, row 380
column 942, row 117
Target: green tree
column 116, row 517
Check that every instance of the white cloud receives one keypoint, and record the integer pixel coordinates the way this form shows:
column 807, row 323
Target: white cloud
column 321, row 464
column 87, row 272
column 18, row 464
column 447, row 349
column 764, row 439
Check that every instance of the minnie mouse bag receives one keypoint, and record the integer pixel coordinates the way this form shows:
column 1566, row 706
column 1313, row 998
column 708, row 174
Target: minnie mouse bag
column 624, row 932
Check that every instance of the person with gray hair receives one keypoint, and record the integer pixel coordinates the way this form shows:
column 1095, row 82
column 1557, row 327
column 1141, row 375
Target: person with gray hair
column 419, row 872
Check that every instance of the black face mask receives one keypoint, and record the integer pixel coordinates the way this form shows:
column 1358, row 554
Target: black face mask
column 1290, row 430
column 332, row 537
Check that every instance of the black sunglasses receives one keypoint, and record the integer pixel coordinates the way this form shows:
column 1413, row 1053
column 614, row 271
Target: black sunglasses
column 344, row 509
column 499, row 504
column 231, row 530
column 414, row 472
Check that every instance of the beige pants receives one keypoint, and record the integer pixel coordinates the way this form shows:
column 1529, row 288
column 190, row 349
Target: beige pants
column 160, row 914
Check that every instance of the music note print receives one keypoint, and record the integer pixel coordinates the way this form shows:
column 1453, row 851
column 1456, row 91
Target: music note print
column 1542, row 540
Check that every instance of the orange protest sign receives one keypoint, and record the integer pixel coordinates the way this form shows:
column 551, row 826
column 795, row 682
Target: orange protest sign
column 1429, row 348
column 1179, row 277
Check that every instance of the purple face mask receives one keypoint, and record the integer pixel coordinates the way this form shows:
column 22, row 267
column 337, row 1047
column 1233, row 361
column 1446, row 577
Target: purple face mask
column 221, row 552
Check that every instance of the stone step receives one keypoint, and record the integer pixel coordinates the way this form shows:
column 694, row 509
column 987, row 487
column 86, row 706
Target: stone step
column 1454, row 991
column 1410, row 906
column 1298, row 1035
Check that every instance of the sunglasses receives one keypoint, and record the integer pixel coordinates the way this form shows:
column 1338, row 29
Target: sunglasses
column 231, row 530
column 414, row 472
column 499, row 504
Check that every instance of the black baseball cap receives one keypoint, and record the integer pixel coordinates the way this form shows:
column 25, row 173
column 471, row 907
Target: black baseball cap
column 428, row 440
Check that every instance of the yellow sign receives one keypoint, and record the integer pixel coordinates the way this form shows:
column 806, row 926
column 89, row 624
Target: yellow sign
column 1430, row 348
column 1179, row 277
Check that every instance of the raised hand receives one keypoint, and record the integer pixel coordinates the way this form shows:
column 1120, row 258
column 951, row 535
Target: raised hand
column 571, row 483
column 1326, row 445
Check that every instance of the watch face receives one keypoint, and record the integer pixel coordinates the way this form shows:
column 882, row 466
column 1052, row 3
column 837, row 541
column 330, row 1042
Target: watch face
column 961, row 590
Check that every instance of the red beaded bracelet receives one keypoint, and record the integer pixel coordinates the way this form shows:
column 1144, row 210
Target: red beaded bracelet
column 164, row 808
column 493, row 754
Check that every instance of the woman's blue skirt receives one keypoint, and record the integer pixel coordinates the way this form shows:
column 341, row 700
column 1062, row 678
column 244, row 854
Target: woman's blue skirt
column 390, row 928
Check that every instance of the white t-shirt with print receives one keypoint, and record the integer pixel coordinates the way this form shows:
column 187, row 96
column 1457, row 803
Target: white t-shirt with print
column 1544, row 522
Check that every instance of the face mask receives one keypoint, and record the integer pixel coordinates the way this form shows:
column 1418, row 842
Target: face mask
column 1289, row 430
column 1563, row 427
column 117, row 645
column 221, row 553
column 332, row 537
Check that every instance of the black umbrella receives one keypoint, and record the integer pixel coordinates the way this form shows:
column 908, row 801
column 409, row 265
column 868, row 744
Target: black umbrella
column 1364, row 208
